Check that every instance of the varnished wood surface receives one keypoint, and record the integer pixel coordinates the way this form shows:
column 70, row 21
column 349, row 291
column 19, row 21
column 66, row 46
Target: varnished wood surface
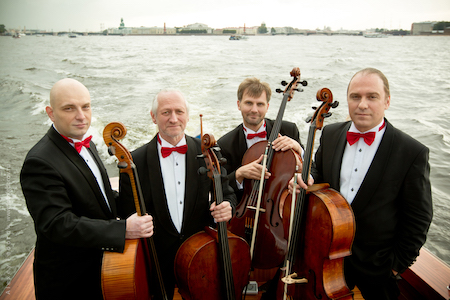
column 357, row 296
column 22, row 285
column 427, row 278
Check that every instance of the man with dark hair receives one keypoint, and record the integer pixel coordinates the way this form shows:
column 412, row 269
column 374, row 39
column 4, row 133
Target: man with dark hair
column 253, row 102
column 384, row 174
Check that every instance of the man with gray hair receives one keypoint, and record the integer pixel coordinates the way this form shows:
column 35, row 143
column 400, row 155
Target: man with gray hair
column 175, row 194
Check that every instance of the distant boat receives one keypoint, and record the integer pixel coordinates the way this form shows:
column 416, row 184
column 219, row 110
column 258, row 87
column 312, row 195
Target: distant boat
column 72, row 35
column 238, row 37
column 375, row 35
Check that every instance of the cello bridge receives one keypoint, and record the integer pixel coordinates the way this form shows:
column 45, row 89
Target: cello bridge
column 293, row 279
column 254, row 208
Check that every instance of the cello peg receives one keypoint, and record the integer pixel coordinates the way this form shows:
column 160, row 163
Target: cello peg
column 335, row 104
column 283, row 83
column 298, row 90
column 122, row 165
column 326, row 115
column 278, row 90
column 223, row 161
column 304, row 83
column 202, row 171
column 112, row 150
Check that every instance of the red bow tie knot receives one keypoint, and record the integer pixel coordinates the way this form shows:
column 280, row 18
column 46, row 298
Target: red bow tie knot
column 79, row 145
column 353, row 137
column 166, row 151
column 261, row 134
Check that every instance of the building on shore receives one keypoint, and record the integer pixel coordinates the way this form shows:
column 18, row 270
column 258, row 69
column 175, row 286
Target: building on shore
column 423, row 28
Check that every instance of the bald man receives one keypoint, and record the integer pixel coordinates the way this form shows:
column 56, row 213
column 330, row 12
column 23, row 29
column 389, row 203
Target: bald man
column 69, row 197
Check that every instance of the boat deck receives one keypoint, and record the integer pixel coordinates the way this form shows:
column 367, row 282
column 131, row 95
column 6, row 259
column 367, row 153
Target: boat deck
column 427, row 279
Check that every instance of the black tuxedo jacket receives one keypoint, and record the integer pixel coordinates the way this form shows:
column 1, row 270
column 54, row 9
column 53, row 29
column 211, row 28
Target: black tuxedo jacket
column 72, row 221
column 196, row 214
column 233, row 147
column 393, row 207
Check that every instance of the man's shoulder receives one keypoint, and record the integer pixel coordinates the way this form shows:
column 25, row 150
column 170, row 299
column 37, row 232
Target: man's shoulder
column 141, row 151
column 401, row 138
column 43, row 148
column 336, row 126
column 231, row 135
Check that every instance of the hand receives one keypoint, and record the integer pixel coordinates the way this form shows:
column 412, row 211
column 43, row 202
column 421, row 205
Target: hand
column 251, row 171
column 139, row 226
column 284, row 143
column 221, row 212
column 300, row 184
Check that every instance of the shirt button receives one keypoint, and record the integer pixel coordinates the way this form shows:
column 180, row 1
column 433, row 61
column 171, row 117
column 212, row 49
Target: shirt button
column 179, row 182
column 351, row 190
column 181, row 202
column 176, row 164
column 360, row 150
column 356, row 170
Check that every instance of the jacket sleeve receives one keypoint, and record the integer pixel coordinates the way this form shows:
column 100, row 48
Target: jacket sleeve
column 57, row 215
column 415, row 212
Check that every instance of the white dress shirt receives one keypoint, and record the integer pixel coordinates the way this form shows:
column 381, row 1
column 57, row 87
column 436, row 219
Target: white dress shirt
column 357, row 160
column 173, row 170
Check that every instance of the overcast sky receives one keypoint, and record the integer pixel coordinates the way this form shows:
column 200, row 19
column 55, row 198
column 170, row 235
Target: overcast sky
column 93, row 15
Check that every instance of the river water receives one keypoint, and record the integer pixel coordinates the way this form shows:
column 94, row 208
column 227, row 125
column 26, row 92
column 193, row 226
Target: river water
column 124, row 73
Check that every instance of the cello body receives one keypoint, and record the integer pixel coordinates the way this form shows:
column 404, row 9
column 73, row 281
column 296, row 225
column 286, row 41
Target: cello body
column 212, row 264
column 327, row 235
column 271, row 236
column 124, row 275
column 128, row 275
column 322, row 231
column 199, row 272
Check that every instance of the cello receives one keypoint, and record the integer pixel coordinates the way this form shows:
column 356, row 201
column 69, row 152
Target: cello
column 127, row 275
column 212, row 264
column 259, row 216
column 323, row 229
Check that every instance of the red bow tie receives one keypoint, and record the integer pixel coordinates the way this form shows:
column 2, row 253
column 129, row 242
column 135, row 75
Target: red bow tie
column 261, row 134
column 79, row 145
column 166, row 151
column 353, row 137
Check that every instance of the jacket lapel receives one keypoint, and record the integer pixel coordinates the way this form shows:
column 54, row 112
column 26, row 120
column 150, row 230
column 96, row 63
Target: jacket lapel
column 158, row 194
column 339, row 146
column 242, row 141
column 84, row 169
column 191, row 187
column 106, row 183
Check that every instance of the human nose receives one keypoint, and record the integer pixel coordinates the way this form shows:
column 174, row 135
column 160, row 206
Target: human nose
column 80, row 114
column 363, row 104
column 173, row 117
